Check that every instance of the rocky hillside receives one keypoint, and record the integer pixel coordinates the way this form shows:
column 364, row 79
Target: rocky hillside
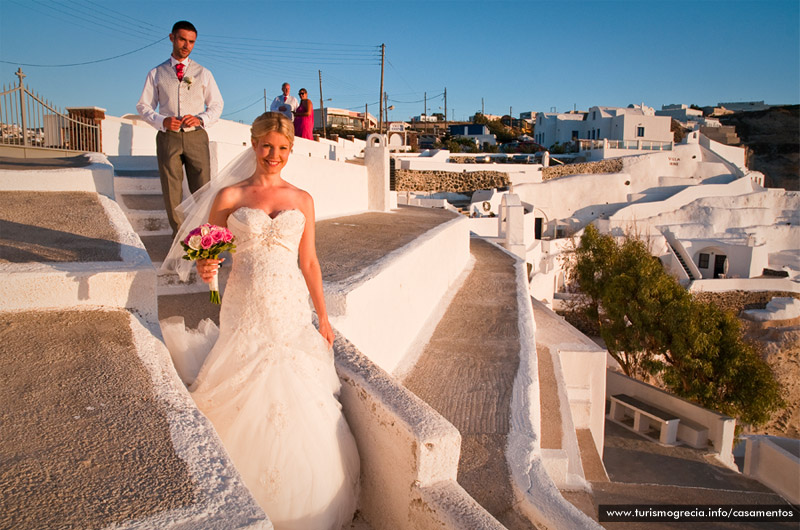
column 772, row 138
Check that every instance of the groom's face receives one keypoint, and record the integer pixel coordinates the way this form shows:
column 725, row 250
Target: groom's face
column 182, row 43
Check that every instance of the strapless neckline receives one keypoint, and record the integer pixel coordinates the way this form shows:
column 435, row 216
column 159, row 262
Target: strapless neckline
column 277, row 214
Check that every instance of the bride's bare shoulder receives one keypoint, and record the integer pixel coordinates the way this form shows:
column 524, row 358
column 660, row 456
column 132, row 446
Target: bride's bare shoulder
column 229, row 195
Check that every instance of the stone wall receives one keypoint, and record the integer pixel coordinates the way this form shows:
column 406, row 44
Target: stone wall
column 613, row 165
column 422, row 180
column 737, row 301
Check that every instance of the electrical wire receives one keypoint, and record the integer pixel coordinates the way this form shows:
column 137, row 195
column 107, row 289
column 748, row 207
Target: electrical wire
column 227, row 114
column 84, row 63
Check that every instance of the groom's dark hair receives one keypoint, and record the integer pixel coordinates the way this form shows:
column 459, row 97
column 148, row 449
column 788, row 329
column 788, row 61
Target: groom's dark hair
column 183, row 24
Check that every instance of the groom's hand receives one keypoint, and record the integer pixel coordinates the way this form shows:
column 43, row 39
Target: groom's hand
column 191, row 121
column 171, row 123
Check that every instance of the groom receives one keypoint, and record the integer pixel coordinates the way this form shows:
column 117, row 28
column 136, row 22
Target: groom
column 188, row 102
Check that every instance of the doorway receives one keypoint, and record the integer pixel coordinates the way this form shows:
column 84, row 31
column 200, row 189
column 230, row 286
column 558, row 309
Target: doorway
column 719, row 265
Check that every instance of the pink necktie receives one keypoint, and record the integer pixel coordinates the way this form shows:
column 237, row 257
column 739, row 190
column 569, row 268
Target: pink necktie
column 179, row 70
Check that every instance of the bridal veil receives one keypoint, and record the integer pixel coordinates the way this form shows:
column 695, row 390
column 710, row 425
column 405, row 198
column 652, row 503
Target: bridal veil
column 195, row 209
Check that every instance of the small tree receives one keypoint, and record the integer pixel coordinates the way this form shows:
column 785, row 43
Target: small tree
column 710, row 363
column 652, row 326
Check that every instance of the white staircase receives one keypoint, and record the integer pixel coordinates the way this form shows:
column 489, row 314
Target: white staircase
column 137, row 188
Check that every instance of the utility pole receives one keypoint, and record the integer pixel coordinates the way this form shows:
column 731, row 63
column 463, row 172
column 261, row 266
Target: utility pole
column 380, row 99
column 482, row 112
column 366, row 117
column 445, row 108
column 322, row 108
column 425, row 105
column 510, row 118
column 265, row 100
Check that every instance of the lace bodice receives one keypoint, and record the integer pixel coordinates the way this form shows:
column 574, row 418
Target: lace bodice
column 253, row 227
column 266, row 292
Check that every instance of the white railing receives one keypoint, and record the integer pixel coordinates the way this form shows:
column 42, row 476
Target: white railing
column 638, row 145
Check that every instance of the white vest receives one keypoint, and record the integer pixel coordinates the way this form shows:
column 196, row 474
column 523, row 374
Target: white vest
column 179, row 98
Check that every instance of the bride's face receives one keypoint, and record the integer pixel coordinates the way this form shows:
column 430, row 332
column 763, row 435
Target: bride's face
column 272, row 151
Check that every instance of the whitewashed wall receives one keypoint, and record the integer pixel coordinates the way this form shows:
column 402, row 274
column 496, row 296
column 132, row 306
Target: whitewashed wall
column 130, row 136
column 597, row 193
column 383, row 309
column 734, row 155
column 774, row 461
column 647, row 210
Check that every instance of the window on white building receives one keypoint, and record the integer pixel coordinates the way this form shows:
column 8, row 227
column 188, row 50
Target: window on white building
column 640, row 132
column 703, row 261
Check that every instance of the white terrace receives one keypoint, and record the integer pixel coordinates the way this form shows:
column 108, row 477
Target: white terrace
column 385, row 313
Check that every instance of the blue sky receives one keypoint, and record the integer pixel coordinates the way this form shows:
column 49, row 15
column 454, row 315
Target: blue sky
column 506, row 55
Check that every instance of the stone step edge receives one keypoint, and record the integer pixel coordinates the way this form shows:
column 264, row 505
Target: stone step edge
column 223, row 501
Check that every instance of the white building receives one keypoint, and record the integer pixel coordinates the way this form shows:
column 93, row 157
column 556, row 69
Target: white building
column 344, row 119
column 479, row 133
column 632, row 124
column 680, row 112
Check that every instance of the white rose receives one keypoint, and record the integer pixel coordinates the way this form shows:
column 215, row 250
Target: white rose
column 188, row 79
column 204, row 230
column 195, row 241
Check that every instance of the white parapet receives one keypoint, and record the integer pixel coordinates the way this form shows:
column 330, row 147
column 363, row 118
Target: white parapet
column 409, row 453
column 383, row 308
column 775, row 462
column 222, row 502
column 376, row 159
column 97, row 176
column 126, row 284
column 539, row 497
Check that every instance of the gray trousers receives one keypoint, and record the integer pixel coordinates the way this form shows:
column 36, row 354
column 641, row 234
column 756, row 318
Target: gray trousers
column 174, row 150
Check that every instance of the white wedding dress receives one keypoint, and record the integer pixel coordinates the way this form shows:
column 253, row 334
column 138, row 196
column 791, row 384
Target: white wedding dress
column 268, row 384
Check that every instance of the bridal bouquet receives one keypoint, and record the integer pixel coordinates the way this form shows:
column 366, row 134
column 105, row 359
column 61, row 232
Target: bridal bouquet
column 208, row 242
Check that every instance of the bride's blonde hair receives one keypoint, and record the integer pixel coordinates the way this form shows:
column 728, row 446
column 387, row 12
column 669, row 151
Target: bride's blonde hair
column 272, row 121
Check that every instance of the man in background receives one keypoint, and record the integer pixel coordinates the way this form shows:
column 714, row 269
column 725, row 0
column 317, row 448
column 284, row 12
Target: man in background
column 188, row 102
column 285, row 103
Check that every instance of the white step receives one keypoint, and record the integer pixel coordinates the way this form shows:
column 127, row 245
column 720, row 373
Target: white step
column 128, row 184
column 170, row 283
column 149, row 222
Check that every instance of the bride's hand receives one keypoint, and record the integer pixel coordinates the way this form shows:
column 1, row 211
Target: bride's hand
column 207, row 268
column 326, row 331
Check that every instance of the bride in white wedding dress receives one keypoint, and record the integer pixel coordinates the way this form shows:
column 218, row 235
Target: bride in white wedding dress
column 268, row 383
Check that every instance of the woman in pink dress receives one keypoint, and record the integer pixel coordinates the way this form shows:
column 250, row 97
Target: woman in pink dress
column 304, row 117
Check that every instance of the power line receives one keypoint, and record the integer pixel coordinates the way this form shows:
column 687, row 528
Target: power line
column 84, row 63
column 259, row 100
column 143, row 24
column 326, row 44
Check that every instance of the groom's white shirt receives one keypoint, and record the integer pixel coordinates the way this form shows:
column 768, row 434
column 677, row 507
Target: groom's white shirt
column 149, row 99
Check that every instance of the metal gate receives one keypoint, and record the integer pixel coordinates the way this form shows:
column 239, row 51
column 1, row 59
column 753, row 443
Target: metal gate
column 27, row 120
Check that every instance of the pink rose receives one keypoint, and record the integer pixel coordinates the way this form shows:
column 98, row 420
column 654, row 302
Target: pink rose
column 218, row 235
column 207, row 241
